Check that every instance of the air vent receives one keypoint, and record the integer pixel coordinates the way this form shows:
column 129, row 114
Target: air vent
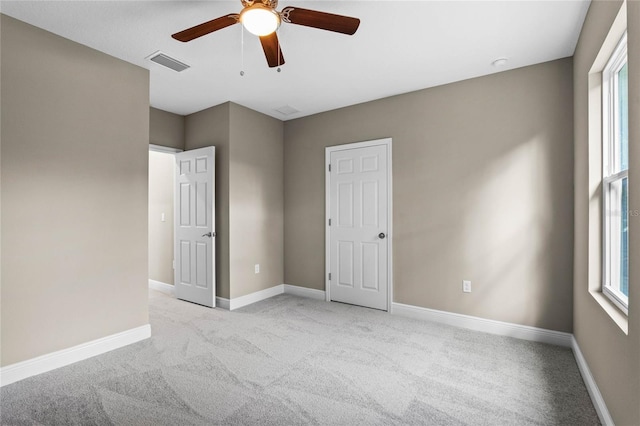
column 286, row 110
column 167, row 61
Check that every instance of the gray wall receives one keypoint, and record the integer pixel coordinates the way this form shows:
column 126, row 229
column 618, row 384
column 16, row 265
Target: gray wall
column 75, row 135
column 210, row 127
column 255, row 201
column 166, row 128
column 161, row 181
column 613, row 355
column 482, row 190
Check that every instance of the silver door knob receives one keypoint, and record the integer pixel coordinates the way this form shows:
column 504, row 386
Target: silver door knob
column 209, row 234
column 381, row 235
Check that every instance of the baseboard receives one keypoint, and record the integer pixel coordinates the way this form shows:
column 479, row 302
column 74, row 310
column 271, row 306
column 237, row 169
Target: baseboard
column 239, row 302
column 162, row 287
column 222, row 303
column 484, row 325
column 242, row 301
column 257, row 296
column 592, row 387
column 304, row 292
column 22, row 370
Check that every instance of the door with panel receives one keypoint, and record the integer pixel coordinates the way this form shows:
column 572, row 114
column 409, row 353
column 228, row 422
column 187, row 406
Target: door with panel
column 359, row 216
column 194, row 250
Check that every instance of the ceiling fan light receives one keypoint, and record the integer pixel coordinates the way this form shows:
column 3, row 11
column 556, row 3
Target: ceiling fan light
column 260, row 20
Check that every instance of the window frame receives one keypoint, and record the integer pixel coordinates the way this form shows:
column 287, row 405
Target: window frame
column 610, row 170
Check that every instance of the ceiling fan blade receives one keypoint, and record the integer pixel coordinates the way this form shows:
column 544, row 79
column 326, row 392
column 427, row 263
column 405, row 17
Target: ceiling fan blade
column 207, row 27
column 271, row 47
column 320, row 20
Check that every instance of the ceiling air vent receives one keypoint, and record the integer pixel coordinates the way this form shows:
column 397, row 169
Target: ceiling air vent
column 167, row 61
column 287, row 110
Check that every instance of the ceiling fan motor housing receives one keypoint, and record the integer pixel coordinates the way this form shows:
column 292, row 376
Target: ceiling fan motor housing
column 268, row 3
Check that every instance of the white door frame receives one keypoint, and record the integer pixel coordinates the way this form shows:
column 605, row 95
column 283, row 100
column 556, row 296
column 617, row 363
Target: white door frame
column 164, row 149
column 327, row 203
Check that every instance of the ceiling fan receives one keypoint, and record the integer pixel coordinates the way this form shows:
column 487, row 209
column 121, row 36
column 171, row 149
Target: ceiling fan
column 261, row 18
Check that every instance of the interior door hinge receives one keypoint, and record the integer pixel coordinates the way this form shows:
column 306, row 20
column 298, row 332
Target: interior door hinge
column 329, row 222
column 329, row 167
column 329, row 276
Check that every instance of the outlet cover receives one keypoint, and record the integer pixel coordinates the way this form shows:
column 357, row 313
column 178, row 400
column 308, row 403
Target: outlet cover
column 257, row 268
column 466, row 286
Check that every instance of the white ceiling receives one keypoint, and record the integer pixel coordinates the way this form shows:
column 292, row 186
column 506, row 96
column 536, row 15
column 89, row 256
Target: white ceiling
column 401, row 46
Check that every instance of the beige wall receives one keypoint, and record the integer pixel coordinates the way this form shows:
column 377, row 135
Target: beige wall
column 161, row 181
column 166, row 128
column 255, row 201
column 483, row 190
column 210, row 127
column 612, row 355
column 75, row 135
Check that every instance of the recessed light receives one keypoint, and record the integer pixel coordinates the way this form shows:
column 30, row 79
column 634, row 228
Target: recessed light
column 500, row 62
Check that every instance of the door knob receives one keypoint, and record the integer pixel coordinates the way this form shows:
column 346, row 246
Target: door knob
column 381, row 235
column 209, row 234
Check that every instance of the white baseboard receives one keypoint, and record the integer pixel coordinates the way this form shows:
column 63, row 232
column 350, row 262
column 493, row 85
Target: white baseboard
column 222, row 303
column 484, row 325
column 239, row 302
column 162, row 287
column 304, row 292
column 21, row 370
column 257, row 296
column 592, row 387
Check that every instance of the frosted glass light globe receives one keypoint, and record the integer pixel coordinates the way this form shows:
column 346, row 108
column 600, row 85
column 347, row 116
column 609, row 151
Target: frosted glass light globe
column 260, row 20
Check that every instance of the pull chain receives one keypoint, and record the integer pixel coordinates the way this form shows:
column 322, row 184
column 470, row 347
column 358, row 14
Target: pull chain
column 241, row 50
column 278, row 38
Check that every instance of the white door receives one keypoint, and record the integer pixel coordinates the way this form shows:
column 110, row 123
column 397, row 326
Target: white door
column 359, row 223
column 195, row 274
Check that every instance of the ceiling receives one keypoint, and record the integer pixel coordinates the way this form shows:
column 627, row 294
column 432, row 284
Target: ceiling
column 401, row 46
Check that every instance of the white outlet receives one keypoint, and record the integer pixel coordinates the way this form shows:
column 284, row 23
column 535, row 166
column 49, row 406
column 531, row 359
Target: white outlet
column 162, row 217
column 466, row 286
column 257, row 268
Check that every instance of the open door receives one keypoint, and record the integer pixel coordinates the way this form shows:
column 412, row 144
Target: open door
column 195, row 274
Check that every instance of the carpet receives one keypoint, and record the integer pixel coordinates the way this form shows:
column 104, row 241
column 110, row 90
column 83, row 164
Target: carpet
column 292, row 361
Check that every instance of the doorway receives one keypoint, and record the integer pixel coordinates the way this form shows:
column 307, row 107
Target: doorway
column 358, row 224
column 161, row 218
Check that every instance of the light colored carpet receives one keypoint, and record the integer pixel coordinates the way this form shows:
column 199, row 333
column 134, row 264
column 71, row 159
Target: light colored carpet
column 289, row 361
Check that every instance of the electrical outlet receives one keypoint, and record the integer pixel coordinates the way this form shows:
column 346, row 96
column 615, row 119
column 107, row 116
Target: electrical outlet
column 257, row 268
column 466, row 286
column 162, row 217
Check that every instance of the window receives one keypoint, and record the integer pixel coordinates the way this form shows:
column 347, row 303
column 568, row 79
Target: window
column 615, row 180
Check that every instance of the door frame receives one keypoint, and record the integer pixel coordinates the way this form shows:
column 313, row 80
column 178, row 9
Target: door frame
column 164, row 149
column 387, row 142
